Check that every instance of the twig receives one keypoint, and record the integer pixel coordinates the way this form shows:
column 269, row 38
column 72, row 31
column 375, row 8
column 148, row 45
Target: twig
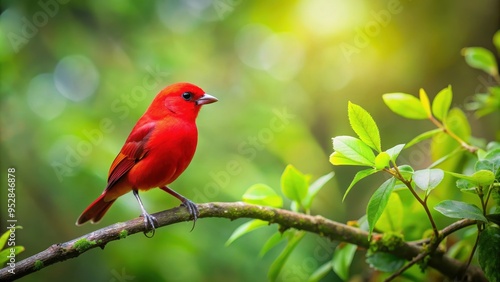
column 397, row 174
column 462, row 143
column 400, row 271
column 287, row 219
column 443, row 234
column 457, row 225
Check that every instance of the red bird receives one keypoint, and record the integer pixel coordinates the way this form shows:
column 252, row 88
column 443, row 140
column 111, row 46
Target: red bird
column 159, row 148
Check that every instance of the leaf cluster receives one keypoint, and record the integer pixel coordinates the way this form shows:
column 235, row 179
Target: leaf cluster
column 450, row 139
column 295, row 187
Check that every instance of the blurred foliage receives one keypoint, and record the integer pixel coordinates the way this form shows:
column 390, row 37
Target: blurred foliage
column 452, row 142
column 75, row 77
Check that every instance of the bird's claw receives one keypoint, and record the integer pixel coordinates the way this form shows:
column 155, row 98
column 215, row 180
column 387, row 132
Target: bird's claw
column 192, row 209
column 149, row 223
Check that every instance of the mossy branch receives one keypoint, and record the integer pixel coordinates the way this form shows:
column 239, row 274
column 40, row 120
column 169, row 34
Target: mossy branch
column 286, row 219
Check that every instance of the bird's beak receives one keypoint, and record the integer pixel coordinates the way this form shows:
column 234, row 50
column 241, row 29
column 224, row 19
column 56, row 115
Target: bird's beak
column 206, row 99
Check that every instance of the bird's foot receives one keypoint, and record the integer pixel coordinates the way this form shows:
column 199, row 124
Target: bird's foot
column 149, row 222
column 192, row 209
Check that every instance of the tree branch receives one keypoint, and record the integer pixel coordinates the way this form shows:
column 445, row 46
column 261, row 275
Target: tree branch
column 287, row 219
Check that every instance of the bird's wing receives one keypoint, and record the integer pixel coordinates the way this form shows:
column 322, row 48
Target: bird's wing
column 132, row 152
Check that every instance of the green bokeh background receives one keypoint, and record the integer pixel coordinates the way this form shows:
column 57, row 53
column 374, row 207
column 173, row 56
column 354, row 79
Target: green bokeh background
column 75, row 77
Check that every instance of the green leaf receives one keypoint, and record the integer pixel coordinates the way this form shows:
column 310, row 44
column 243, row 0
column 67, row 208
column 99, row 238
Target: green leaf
column 493, row 145
column 488, row 250
column 423, row 136
column 320, row 273
column 485, row 103
column 315, row 187
column 342, row 259
column 395, row 151
column 493, row 153
column 365, row 127
column 457, row 122
column 464, row 184
column 378, row 202
column 442, row 103
column 337, row 158
column 261, row 194
column 457, row 209
column 274, row 240
column 426, row 179
column 480, row 153
column 4, row 254
column 384, row 262
column 469, row 190
column 392, row 217
column 294, row 184
column 246, row 228
column 460, row 176
column 496, row 40
column 491, row 161
column 406, row 171
column 360, row 175
column 277, row 265
column 478, row 178
column 382, row 160
column 405, row 105
column 354, row 149
column 481, row 58
column 424, row 99
column 485, row 165
column 483, row 177
column 5, row 236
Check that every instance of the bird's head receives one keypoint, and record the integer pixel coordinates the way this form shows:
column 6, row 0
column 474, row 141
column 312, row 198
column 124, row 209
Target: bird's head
column 180, row 99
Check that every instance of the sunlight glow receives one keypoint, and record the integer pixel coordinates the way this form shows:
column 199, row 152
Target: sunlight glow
column 327, row 17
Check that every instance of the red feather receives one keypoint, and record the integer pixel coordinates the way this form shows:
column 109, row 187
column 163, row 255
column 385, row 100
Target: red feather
column 132, row 152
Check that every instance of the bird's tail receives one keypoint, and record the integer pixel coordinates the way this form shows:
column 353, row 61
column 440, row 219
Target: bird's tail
column 95, row 211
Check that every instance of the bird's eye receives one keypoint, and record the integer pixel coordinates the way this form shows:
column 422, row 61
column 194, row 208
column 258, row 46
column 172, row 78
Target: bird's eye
column 187, row 96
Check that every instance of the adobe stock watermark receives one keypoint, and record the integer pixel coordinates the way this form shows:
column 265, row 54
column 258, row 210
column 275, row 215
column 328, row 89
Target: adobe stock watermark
column 121, row 276
column 224, row 7
column 120, row 109
column 248, row 149
column 31, row 26
column 322, row 252
column 371, row 29
column 484, row 84
column 471, row 103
